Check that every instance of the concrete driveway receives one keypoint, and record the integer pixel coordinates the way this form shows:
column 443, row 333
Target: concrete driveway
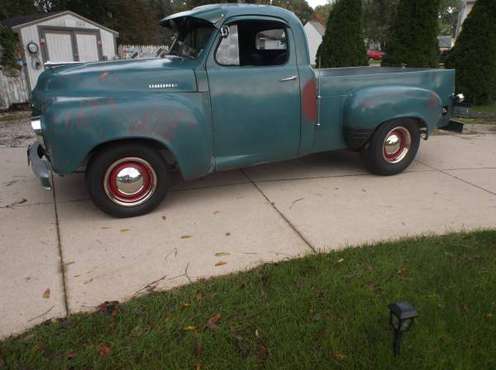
column 60, row 255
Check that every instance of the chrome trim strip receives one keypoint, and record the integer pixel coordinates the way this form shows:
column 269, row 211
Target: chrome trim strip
column 290, row 78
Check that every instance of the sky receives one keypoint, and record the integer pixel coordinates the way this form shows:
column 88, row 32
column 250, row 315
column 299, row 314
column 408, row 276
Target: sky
column 314, row 3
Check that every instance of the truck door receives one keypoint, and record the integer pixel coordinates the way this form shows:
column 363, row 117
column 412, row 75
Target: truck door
column 255, row 93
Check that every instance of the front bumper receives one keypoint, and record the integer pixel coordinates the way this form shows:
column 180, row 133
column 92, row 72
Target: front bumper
column 447, row 123
column 39, row 164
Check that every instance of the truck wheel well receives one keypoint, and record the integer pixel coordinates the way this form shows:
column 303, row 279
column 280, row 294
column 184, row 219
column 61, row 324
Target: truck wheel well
column 420, row 122
column 166, row 154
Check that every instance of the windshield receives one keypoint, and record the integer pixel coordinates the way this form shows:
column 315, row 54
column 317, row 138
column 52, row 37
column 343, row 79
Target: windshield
column 191, row 38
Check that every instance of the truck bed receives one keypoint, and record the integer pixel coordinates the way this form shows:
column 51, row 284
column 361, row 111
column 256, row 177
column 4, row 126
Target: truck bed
column 337, row 85
column 343, row 81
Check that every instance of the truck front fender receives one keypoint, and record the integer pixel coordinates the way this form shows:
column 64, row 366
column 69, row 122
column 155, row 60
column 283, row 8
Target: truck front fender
column 366, row 109
column 179, row 122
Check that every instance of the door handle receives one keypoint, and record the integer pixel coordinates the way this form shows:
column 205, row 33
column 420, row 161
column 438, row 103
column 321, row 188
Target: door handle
column 290, row 78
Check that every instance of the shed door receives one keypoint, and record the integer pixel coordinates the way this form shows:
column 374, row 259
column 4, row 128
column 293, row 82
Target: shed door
column 59, row 46
column 87, row 47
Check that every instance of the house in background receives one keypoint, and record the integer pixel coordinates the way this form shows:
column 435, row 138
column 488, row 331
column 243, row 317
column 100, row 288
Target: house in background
column 315, row 33
column 445, row 43
column 466, row 9
column 60, row 37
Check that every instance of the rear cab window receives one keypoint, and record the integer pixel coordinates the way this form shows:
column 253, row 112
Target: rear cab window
column 254, row 43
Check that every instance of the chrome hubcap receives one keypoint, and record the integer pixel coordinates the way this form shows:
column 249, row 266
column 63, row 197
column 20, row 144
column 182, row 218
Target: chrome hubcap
column 397, row 145
column 130, row 181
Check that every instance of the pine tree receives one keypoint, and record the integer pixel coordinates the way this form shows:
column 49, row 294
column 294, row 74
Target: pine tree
column 13, row 8
column 299, row 7
column 379, row 15
column 413, row 40
column 8, row 45
column 343, row 43
column 474, row 55
column 8, row 39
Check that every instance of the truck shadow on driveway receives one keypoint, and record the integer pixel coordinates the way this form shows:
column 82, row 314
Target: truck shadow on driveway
column 321, row 165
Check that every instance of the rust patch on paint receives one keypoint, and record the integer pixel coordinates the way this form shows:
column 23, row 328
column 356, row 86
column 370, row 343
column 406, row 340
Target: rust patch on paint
column 433, row 101
column 368, row 104
column 310, row 101
column 103, row 76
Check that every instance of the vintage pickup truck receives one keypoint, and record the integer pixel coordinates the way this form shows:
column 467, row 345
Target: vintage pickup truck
column 236, row 89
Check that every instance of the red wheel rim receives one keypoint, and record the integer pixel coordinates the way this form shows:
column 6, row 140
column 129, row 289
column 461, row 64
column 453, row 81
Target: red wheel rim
column 397, row 144
column 130, row 181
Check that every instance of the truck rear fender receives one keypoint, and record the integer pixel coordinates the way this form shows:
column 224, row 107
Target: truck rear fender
column 368, row 108
column 178, row 124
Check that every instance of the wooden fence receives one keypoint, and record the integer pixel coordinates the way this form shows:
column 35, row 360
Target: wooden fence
column 13, row 88
column 140, row 51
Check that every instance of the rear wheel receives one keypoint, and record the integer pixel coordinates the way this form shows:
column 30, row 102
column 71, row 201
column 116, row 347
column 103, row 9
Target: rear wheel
column 127, row 180
column 392, row 148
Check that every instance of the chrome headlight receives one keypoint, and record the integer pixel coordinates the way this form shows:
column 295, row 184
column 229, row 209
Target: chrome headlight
column 36, row 126
column 459, row 98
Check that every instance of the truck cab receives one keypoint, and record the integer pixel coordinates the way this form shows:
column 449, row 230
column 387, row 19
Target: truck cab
column 258, row 74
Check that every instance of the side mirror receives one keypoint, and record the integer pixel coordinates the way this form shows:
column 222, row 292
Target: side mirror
column 224, row 31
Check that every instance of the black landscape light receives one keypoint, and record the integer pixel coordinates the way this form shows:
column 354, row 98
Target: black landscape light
column 402, row 315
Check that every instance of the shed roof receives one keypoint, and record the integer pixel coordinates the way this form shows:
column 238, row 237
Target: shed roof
column 26, row 20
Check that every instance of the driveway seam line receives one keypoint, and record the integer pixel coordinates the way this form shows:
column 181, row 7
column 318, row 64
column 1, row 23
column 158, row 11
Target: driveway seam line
column 290, row 224
column 327, row 177
column 468, row 169
column 444, row 172
column 59, row 247
column 286, row 179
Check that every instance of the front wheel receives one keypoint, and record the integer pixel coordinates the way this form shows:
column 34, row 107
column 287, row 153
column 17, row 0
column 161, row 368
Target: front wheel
column 127, row 180
column 392, row 147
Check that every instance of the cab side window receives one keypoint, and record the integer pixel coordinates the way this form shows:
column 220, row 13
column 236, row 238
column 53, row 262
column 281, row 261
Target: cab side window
column 228, row 51
column 254, row 43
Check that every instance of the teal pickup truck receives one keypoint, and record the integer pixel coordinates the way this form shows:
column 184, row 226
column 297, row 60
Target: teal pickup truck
column 236, row 89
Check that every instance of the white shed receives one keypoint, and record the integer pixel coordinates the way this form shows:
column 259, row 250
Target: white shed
column 315, row 32
column 464, row 12
column 61, row 37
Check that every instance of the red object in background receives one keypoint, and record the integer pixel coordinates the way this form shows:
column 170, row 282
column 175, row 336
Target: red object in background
column 375, row 54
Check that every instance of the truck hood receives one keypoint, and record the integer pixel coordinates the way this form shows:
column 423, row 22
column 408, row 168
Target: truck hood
column 171, row 74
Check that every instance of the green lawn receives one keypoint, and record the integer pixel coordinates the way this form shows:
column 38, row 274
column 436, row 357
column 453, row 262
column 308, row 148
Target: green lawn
column 320, row 312
column 490, row 108
column 481, row 115
column 477, row 121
